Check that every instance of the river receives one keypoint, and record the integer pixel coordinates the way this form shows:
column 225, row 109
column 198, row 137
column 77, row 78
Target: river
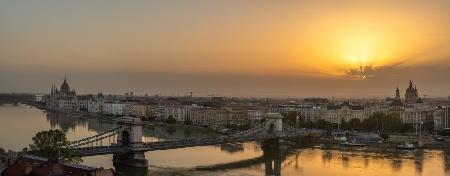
column 18, row 124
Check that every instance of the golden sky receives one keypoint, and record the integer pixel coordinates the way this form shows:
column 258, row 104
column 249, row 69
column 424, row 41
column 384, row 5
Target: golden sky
column 312, row 40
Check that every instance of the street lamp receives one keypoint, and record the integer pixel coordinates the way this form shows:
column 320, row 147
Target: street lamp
column 419, row 140
column 420, row 128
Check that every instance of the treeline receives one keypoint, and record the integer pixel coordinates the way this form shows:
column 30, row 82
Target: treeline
column 379, row 122
column 316, row 100
column 14, row 97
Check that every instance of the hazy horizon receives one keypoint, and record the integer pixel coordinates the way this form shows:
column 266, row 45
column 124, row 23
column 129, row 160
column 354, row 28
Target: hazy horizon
column 229, row 48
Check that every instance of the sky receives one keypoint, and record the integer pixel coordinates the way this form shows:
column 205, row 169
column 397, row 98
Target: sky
column 230, row 48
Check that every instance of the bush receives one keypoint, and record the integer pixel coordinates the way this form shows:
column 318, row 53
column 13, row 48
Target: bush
column 171, row 120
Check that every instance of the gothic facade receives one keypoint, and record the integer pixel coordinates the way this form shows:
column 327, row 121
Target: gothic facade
column 62, row 99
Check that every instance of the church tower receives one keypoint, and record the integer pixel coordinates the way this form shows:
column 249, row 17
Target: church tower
column 397, row 103
column 411, row 95
column 397, row 94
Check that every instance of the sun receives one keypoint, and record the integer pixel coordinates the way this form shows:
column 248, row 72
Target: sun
column 360, row 53
column 355, row 48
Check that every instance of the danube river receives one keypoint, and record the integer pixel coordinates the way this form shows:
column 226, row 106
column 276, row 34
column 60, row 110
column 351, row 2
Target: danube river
column 18, row 124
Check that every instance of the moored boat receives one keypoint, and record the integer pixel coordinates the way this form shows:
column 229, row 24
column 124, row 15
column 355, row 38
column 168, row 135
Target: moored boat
column 406, row 146
column 352, row 144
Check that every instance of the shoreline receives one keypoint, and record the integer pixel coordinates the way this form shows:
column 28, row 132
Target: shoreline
column 82, row 114
column 323, row 141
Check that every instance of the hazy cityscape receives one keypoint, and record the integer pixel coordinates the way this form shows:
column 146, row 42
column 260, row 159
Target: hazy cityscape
column 224, row 88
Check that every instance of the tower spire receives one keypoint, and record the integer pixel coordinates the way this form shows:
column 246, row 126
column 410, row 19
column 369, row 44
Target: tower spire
column 397, row 93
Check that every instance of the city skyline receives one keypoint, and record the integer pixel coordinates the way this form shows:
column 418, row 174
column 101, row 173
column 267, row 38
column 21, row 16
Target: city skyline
column 249, row 49
column 402, row 94
column 220, row 87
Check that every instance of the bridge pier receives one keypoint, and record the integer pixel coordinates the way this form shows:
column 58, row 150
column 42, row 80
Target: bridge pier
column 273, row 149
column 131, row 137
column 273, row 152
column 130, row 171
column 131, row 159
column 277, row 143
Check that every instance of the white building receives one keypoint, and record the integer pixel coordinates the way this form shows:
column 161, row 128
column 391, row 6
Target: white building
column 95, row 105
column 182, row 113
column 115, row 108
column 83, row 101
column 159, row 112
column 282, row 109
column 415, row 115
column 346, row 111
column 255, row 115
column 438, row 119
column 218, row 117
column 314, row 114
column 446, row 117
column 139, row 110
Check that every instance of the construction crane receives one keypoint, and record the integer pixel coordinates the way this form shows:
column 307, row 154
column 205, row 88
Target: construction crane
column 192, row 93
column 209, row 94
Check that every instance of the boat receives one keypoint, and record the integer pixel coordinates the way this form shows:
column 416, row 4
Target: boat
column 339, row 136
column 440, row 139
column 406, row 146
column 352, row 144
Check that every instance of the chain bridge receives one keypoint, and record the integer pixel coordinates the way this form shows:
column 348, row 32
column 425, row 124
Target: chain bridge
column 127, row 144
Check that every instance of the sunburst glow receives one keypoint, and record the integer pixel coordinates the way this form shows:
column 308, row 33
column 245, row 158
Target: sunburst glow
column 358, row 47
column 360, row 54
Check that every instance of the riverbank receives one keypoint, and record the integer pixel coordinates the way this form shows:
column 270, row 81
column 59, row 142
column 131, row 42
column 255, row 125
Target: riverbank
column 82, row 114
column 169, row 171
column 390, row 145
column 185, row 161
column 429, row 142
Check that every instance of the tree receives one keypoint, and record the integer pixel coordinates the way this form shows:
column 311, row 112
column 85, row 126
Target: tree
column 383, row 122
column 171, row 120
column 171, row 130
column 53, row 145
column 309, row 124
column 301, row 122
column 343, row 124
column 188, row 122
column 354, row 124
column 290, row 117
column 323, row 124
column 392, row 122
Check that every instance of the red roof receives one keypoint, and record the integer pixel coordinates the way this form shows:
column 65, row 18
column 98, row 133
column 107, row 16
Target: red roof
column 29, row 164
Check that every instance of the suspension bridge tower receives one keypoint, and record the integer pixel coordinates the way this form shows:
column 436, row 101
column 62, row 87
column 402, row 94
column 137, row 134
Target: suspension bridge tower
column 274, row 124
column 130, row 136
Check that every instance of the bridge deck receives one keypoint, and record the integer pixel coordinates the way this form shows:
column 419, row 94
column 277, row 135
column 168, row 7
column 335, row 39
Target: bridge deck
column 166, row 145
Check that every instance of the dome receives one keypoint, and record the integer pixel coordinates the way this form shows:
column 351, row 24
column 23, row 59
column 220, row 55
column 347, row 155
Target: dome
column 65, row 87
column 419, row 100
column 410, row 89
column 411, row 94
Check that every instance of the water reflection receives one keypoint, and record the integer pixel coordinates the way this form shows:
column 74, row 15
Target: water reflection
column 446, row 155
column 299, row 158
column 70, row 124
column 303, row 161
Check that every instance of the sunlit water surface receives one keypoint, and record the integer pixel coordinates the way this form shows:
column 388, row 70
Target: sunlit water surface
column 18, row 124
